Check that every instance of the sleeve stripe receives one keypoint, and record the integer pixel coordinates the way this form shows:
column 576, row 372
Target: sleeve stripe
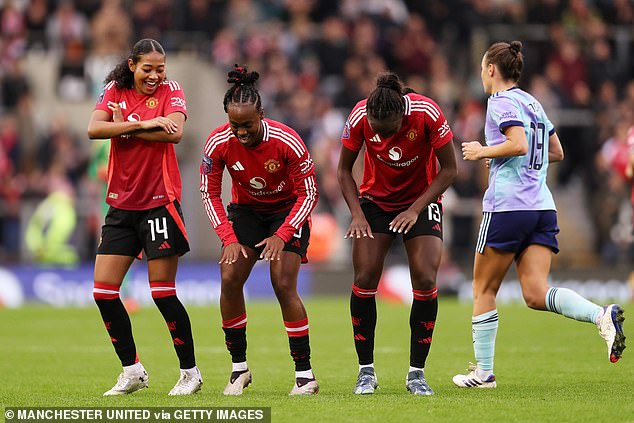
column 174, row 86
column 429, row 113
column 209, row 207
column 206, row 201
column 266, row 130
column 508, row 123
column 357, row 116
column 109, row 85
column 355, row 113
column 217, row 139
column 290, row 140
column 307, row 205
column 432, row 106
column 424, row 106
column 298, row 145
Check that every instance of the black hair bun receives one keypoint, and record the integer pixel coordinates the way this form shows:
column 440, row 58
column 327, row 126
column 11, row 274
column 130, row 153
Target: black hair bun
column 241, row 76
column 516, row 46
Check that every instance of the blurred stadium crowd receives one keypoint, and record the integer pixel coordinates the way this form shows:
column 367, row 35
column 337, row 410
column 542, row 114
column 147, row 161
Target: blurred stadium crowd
column 317, row 58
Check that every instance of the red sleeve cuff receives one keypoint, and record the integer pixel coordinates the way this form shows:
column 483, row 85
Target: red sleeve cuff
column 284, row 234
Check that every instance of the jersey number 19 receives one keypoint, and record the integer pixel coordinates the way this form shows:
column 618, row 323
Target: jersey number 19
column 538, row 139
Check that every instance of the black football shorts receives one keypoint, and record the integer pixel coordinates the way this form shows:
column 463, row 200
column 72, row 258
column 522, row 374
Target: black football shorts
column 429, row 221
column 160, row 232
column 252, row 227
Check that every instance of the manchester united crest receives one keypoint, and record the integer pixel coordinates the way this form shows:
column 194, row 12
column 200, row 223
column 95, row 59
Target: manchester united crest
column 151, row 103
column 272, row 165
column 412, row 134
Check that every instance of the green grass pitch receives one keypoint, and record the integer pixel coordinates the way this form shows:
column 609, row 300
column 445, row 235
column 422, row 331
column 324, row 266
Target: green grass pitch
column 549, row 368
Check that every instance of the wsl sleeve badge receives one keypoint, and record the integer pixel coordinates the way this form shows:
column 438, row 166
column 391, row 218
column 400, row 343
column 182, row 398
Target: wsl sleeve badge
column 346, row 130
column 205, row 166
column 101, row 96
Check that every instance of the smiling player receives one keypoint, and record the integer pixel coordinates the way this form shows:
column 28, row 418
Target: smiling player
column 143, row 114
column 273, row 194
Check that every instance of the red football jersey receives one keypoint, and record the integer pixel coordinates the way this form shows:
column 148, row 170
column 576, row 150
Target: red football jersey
column 275, row 176
column 630, row 143
column 142, row 174
column 397, row 170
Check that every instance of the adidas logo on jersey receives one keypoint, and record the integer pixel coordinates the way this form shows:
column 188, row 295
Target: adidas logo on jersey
column 237, row 166
column 165, row 246
column 376, row 138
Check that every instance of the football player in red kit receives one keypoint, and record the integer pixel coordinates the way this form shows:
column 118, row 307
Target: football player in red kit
column 629, row 169
column 405, row 135
column 273, row 193
column 144, row 115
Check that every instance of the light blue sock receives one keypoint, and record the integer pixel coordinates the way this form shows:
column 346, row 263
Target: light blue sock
column 570, row 304
column 484, row 328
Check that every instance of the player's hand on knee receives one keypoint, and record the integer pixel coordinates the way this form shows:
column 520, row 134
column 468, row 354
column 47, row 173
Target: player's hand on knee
column 359, row 228
column 273, row 247
column 231, row 253
column 404, row 221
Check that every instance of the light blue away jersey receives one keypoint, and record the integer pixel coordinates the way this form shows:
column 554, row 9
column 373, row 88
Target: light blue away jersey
column 518, row 183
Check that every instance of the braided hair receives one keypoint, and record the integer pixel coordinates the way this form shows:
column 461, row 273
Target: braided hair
column 386, row 100
column 508, row 58
column 243, row 88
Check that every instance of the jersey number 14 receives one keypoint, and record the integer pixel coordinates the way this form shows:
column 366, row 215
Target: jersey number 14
column 157, row 228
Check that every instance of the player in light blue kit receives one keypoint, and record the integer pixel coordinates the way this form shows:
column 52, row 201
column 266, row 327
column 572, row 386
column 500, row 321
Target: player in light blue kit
column 519, row 215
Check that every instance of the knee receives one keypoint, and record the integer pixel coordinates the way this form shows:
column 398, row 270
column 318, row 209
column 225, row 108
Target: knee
column 367, row 279
column 422, row 281
column 230, row 286
column 534, row 300
column 482, row 290
column 285, row 288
